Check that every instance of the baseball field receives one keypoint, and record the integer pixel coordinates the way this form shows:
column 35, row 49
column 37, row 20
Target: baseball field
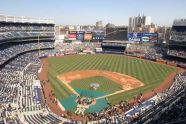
column 119, row 77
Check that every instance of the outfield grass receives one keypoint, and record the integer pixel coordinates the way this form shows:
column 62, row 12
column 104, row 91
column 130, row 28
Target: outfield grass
column 105, row 84
column 151, row 74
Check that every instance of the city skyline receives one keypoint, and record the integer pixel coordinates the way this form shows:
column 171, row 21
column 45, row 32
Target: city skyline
column 71, row 12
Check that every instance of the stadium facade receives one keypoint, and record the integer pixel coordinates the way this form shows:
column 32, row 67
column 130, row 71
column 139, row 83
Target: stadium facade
column 24, row 28
column 177, row 41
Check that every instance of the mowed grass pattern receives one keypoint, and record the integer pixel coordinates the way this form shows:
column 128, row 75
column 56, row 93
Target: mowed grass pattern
column 61, row 91
column 151, row 74
column 105, row 84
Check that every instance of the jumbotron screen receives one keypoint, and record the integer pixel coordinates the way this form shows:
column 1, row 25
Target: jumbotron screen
column 88, row 36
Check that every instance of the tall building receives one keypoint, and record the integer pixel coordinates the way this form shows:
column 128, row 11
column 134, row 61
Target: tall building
column 60, row 33
column 130, row 21
column 99, row 24
column 143, row 20
column 139, row 22
column 110, row 25
column 148, row 20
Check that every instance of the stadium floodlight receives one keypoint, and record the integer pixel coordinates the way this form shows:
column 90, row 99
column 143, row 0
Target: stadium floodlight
column 38, row 44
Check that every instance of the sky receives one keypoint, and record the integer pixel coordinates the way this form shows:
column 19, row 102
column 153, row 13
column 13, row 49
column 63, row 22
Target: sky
column 87, row 12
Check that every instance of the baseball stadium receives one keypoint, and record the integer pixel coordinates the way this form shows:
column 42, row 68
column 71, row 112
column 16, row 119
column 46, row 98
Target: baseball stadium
column 106, row 76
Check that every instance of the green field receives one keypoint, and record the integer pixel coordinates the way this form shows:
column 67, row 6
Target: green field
column 105, row 85
column 149, row 73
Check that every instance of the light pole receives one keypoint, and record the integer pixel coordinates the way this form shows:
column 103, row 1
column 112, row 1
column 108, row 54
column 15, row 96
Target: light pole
column 38, row 44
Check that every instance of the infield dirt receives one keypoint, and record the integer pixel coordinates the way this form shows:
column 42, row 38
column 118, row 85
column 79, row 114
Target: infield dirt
column 126, row 81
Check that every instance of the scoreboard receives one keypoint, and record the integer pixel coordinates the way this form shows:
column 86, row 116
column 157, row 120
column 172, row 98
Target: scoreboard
column 88, row 36
column 143, row 37
column 98, row 35
column 80, row 35
column 72, row 35
column 85, row 35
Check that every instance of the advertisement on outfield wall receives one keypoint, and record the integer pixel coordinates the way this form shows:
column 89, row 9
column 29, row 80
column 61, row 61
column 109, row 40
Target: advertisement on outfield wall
column 134, row 37
column 72, row 35
column 80, row 35
column 143, row 37
column 37, row 92
column 153, row 38
column 88, row 36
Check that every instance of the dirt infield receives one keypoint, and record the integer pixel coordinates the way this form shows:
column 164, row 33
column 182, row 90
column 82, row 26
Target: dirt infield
column 126, row 81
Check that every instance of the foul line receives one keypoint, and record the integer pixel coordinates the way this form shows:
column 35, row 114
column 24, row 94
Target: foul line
column 117, row 92
column 69, row 87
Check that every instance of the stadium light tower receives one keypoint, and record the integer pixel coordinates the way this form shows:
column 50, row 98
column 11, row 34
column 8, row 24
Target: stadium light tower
column 38, row 44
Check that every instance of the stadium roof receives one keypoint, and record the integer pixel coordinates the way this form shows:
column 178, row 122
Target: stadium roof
column 21, row 19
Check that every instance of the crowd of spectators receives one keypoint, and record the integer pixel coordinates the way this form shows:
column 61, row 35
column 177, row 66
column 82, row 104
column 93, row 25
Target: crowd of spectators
column 17, row 96
column 148, row 51
column 27, row 27
column 155, row 53
column 115, row 44
column 13, row 31
column 175, row 113
column 9, row 52
column 173, row 107
column 177, row 53
column 15, row 35
column 178, row 36
column 77, row 46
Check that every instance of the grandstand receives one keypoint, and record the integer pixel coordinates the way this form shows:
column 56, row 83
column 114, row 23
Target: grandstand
column 178, row 34
column 21, row 34
column 177, row 41
column 20, row 40
column 23, row 28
